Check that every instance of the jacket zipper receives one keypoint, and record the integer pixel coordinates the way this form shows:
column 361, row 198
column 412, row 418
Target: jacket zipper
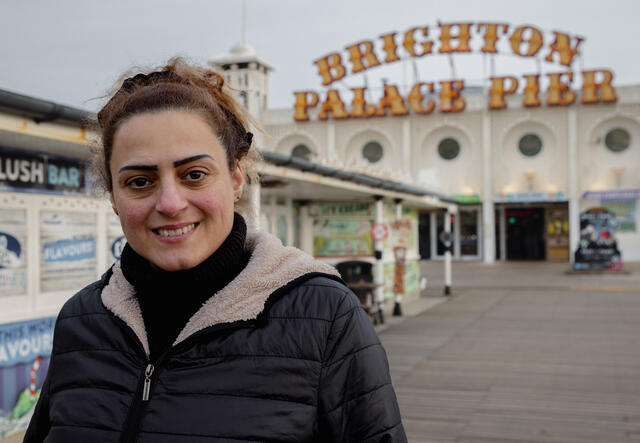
column 148, row 372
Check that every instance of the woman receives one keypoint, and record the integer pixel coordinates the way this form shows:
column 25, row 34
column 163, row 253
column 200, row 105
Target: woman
column 205, row 331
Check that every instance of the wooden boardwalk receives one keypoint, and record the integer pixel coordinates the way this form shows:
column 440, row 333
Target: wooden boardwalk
column 555, row 359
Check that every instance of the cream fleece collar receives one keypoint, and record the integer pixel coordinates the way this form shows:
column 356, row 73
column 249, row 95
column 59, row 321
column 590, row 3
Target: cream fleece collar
column 270, row 267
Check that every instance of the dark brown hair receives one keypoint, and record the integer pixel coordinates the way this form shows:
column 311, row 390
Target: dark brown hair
column 175, row 86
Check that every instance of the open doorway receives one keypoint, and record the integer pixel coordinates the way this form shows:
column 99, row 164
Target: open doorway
column 525, row 233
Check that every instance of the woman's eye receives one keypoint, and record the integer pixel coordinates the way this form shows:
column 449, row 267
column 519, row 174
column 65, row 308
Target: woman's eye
column 195, row 175
column 139, row 182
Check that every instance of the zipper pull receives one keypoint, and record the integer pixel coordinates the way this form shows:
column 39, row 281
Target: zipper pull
column 147, row 382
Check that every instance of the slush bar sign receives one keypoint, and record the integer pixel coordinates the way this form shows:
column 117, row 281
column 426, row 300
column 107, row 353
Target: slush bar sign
column 34, row 171
column 451, row 39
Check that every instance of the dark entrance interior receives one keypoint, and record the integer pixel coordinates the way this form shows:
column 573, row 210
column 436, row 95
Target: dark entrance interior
column 424, row 234
column 525, row 233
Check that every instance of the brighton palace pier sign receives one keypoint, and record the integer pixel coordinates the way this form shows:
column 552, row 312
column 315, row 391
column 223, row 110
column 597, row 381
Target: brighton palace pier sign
column 454, row 38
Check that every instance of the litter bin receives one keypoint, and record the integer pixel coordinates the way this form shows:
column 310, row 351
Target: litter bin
column 358, row 275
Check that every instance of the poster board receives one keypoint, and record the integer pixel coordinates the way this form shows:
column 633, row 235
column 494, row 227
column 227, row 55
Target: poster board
column 67, row 250
column 13, row 252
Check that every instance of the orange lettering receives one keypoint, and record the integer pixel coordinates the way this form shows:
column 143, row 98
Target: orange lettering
column 498, row 91
column 390, row 47
column 393, row 100
column 330, row 68
column 358, row 52
column 590, row 87
column 562, row 45
column 531, row 90
column 410, row 42
column 559, row 93
column 534, row 43
column 416, row 97
column 450, row 99
column 491, row 35
column 333, row 104
column 360, row 106
column 463, row 38
column 303, row 103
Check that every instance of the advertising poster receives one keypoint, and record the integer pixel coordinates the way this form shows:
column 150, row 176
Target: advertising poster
column 25, row 348
column 597, row 248
column 411, row 278
column 340, row 238
column 625, row 213
column 115, row 239
column 13, row 252
column 68, row 250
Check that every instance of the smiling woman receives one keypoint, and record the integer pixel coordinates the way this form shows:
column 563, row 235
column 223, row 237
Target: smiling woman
column 205, row 330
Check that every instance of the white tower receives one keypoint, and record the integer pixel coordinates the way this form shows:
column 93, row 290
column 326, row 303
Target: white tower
column 245, row 73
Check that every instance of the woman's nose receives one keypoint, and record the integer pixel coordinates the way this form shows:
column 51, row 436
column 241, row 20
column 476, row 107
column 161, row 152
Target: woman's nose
column 170, row 199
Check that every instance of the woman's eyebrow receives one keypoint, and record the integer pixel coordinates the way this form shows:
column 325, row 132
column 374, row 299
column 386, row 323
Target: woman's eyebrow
column 190, row 159
column 139, row 168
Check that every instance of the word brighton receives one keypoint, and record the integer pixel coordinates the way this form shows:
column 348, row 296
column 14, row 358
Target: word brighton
column 525, row 41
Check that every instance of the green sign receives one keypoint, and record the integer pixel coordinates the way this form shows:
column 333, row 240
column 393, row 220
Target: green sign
column 362, row 209
column 467, row 199
column 342, row 237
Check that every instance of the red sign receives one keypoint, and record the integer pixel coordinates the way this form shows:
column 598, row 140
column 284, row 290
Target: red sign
column 379, row 231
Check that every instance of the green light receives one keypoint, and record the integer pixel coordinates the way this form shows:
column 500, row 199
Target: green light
column 512, row 220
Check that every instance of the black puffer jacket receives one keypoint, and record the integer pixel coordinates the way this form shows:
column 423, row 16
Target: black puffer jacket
column 283, row 353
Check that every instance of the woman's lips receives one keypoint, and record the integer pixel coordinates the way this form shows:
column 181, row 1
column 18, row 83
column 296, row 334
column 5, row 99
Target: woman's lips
column 175, row 233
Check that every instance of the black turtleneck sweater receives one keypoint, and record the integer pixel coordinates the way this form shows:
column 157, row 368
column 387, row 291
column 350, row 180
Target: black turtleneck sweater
column 169, row 299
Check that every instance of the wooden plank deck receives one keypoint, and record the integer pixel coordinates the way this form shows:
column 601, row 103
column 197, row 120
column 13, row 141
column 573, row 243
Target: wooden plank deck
column 551, row 361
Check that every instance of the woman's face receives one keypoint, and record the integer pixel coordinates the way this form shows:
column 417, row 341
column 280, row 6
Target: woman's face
column 172, row 188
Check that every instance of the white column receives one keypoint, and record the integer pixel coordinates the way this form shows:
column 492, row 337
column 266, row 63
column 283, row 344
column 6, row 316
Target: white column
column 290, row 222
column 306, row 229
column 488, row 216
column 377, row 246
column 331, row 139
column 406, row 145
column 253, row 216
column 574, row 185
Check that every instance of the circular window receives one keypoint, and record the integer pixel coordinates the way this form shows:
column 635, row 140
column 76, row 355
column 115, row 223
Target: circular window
column 530, row 145
column 372, row 151
column 617, row 140
column 301, row 151
column 449, row 148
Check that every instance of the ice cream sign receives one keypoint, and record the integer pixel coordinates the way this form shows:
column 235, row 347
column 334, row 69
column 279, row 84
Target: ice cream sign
column 425, row 97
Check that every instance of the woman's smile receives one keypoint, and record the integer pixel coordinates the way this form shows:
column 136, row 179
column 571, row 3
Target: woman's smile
column 175, row 233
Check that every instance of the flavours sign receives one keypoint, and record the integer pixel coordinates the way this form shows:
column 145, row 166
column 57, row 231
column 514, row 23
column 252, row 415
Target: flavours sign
column 447, row 96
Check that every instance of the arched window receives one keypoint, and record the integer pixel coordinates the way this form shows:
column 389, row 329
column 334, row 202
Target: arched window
column 301, row 151
column 372, row 151
column 448, row 148
column 530, row 145
column 617, row 139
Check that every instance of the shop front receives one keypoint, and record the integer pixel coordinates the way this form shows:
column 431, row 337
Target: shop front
column 532, row 226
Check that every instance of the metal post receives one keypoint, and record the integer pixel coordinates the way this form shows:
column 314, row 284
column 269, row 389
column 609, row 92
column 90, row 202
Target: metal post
column 397, row 307
column 574, row 185
column 377, row 245
column 451, row 210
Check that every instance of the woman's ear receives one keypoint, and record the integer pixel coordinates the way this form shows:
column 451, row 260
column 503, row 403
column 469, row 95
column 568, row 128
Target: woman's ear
column 237, row 178
column 113, row 204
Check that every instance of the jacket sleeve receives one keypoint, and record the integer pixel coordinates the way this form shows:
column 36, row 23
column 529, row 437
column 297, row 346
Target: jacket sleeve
column 357, row 402
column 39, row 425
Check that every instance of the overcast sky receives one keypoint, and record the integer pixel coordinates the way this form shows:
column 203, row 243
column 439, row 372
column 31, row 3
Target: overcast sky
column 72, row 51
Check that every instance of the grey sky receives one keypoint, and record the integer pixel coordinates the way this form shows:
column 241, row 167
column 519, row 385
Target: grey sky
column 72, row 51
